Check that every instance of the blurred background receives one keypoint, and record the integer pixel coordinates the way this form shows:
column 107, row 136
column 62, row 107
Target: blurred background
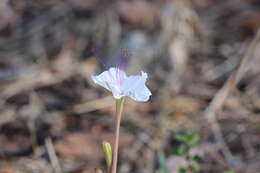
column 203, row 64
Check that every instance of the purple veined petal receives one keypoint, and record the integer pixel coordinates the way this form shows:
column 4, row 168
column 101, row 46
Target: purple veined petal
column 122, row 62
column 109, row 80
column 115, row 80
column 123, row 59
column 134, row 87
column 117, row 76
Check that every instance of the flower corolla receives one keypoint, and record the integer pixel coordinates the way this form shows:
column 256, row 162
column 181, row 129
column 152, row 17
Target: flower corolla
column 116, row 81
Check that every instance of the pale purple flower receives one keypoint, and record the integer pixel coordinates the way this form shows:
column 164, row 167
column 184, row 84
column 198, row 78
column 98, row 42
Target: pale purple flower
column 116, row 81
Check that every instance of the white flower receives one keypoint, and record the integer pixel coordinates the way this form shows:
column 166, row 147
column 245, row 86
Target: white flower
column 116, row 81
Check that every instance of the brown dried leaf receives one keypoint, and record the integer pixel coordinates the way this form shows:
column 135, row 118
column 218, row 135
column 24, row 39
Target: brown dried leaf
column 87, row 145
column 252, row 22
column 184, row 104
column 79, row 145
column 9, row 170
column 138, row 13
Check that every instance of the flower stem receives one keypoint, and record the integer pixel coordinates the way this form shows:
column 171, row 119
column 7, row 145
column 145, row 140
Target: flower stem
column 119, row 109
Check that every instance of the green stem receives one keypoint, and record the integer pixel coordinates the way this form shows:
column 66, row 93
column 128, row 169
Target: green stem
column 119, row 110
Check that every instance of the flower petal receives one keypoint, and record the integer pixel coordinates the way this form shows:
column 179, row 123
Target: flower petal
column 134, row 87
column 112, row 80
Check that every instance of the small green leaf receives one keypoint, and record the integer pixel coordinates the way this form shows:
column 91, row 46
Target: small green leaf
column 181, row 138
column 190, row 139
column 230, row 171
column 193, row 140
column 196, row 159
column 107, row 149
column 182, row 170
column 162, row 162
column 181, row 150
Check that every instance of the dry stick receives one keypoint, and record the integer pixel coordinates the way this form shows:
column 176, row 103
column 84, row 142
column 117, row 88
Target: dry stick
column 93, row 105
column 119, row 109
column 219, row 99
column 53, row 157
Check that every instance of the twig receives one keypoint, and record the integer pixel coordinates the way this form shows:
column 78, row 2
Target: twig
column 32, row 111
column 93, row 105
column 52, row 155
column 219, row 100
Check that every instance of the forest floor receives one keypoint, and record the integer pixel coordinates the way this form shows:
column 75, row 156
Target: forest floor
column 203, row 63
